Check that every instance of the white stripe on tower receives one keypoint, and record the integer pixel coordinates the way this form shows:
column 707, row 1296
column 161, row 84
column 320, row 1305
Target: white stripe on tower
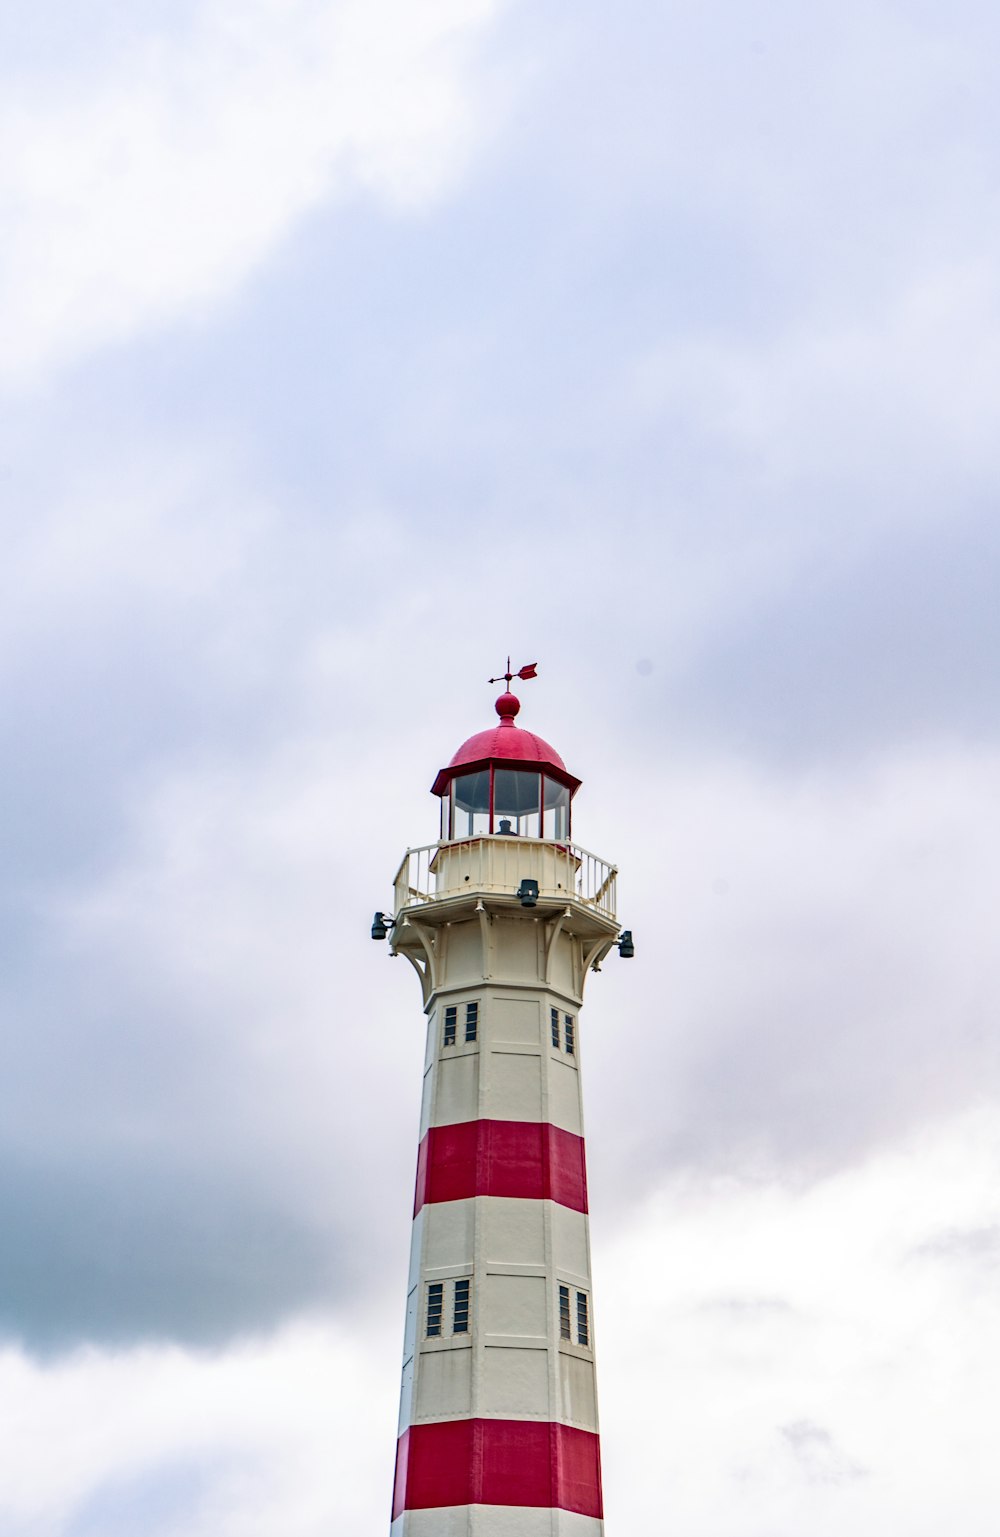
column 496, row 1521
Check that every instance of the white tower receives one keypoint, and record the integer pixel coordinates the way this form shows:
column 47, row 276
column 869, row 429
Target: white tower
column 503, row 919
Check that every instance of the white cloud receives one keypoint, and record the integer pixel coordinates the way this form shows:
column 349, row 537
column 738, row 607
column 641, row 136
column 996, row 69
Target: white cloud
column 162, row 184
column 775, row 1361
column 770, row 1361
column 278, row 1434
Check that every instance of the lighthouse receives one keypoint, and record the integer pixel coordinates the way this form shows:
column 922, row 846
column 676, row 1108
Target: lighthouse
column 503, row 918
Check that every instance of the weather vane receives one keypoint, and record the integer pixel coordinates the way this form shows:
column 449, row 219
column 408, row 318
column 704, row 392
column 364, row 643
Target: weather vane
column 528, row 671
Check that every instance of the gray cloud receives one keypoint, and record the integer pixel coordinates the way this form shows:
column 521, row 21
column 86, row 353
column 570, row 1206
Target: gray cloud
column 820, row 1004
column 865, row 652
column 817, row 1455
column 151, row 1185
column 664, row 380
column 120, row 1254
column 977, row 1246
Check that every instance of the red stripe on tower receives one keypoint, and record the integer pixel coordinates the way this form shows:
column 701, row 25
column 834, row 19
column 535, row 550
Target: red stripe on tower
column 498, row 1462
column 529, row 1160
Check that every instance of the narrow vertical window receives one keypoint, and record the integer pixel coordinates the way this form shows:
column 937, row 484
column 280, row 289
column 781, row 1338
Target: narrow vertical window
column 435, row 1307
column 471, row 1021
column 461, row 1315
column 582, row 1319
column 570, row 1035
column 450, row 1024
column 565, row 1332
column 554, row 1013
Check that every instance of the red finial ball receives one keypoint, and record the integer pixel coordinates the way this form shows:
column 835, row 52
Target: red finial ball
column 507, row 706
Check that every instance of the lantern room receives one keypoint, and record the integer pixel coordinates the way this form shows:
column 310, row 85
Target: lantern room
column 506, row 782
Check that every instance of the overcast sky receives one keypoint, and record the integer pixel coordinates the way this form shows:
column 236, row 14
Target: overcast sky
column 345, row 346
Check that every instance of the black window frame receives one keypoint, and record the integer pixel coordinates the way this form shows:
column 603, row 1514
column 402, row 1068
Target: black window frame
column 583, row 1319
column 565, row 1314
column 461, row 1308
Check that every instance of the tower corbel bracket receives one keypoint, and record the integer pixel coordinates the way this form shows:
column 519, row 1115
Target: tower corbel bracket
column 595, row 955
column 428, row 972
column 555, row 928
column 420, row 967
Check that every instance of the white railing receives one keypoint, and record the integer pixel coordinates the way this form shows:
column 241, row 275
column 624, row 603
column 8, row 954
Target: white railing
column 498, row 864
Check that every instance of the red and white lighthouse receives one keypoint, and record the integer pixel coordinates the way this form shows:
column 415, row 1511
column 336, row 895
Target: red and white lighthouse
column 503, row 918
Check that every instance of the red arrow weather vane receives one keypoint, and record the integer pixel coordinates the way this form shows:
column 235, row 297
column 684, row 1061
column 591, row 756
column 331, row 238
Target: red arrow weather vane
column 528, row 671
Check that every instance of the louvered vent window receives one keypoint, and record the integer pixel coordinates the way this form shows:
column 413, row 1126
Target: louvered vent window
column 461, row 1314
column 574, row 1316
column 570, row 1034
column 471, row 1021
column 450, row 1024
column 554, row 1016
column 435, row 1308
column 582, row 1319
column 565, row 1332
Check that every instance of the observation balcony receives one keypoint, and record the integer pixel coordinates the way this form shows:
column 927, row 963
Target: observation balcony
column 494, row 866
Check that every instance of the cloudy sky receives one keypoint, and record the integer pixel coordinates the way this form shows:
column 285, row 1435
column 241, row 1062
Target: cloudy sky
column 345, row 346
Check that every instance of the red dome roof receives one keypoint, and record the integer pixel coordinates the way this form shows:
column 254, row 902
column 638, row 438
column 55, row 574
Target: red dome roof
column 505, row 743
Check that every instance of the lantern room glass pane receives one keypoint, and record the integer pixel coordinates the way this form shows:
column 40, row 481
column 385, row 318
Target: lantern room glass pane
column 516, row 803
column 470, row 805
column 556, row 825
